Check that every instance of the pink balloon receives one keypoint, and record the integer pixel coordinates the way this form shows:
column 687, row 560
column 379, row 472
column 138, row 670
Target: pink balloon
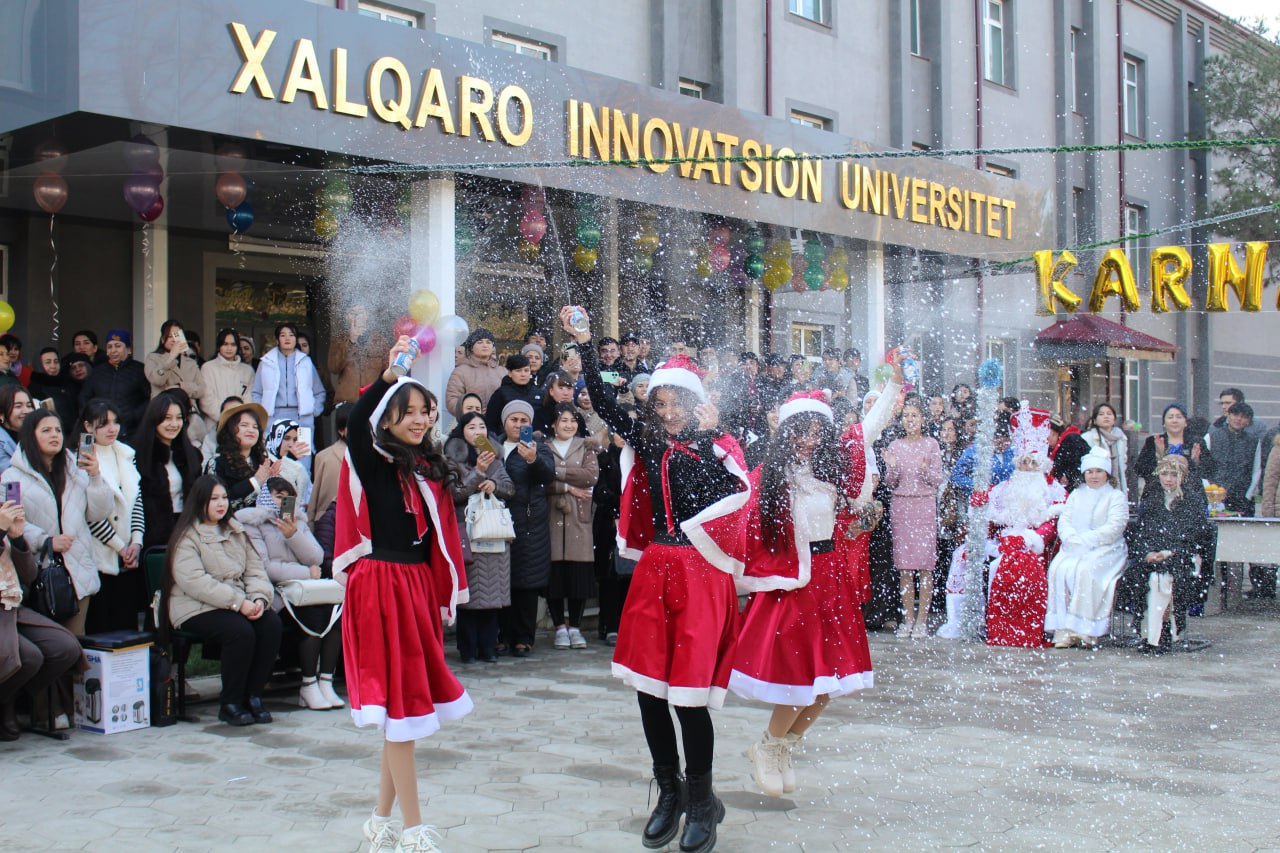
column 50, row 192
column 152, row 213
column 426, row 338
column 404, row 326
column 533, row 226
column 720, row 234
column 719, row 257
column 230, row 189
column 49, row 155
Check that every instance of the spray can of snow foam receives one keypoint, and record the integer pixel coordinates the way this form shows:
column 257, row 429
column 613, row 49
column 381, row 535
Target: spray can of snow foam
column 911, row 371
column 578, row 321
column 405, row 360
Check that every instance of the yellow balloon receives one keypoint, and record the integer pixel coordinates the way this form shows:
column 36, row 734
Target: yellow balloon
column 776, row 276
column 424, row 307
column 839, row 279
column 6, row 316
column 585, row 259
column 326, row 225
column 527, row 250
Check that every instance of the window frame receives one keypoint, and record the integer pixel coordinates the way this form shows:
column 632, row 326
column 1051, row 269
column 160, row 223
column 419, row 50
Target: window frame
column 388, row 13
column 1079, row 216
column 692, row 88
column 518, row 44
column 1134, row 214
column 807, row 119
column 798, row 346
column 822, row 15
column 1073, row 71
column 1001, row 169
column 1132, row 392
column 989, row 25
column 1137, row 127
column 916, row 37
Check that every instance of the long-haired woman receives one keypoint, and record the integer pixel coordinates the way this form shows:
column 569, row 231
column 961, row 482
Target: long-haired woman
column 397, row 544
column 242, row 462
column 682, row 504
column 803, row 641
column 15, row 405
column 225, row 375
column 1104, row 433
column 168, row 465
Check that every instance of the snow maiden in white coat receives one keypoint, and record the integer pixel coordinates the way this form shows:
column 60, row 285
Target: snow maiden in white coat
column 1083, row 576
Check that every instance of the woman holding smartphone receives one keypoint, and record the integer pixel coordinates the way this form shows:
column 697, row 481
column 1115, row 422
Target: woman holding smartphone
column 172, row 364
column 284, row 444
column 242, row 462
column 15, row 405
column 531, row 468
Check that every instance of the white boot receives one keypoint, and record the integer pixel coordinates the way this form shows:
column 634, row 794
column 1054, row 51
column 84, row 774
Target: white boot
column 789, row 742
column 330, row 695
column 766, row 764
column 312, row 696
column 383, row 834
column 419, row 839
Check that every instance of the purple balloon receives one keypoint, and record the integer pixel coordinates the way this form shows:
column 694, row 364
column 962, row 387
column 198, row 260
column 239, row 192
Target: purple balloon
column 141, row 192
column 140, row 152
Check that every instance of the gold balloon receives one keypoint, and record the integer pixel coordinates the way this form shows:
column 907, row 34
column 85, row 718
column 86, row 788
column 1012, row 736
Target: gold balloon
column 839, row 279
column 1224, row 273
column 1114, row 278
column 585, row 259
column 839, row 258
column 6, row 317
column 529, row 251
column 1169, row 283
column 326, row 225
column 424, row 307
column 1050, row 274
column 775, row 277
column 648, row 241
column 778, row 250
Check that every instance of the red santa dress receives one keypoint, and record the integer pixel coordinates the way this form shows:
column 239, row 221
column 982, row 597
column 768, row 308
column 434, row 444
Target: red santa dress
column 396, row 545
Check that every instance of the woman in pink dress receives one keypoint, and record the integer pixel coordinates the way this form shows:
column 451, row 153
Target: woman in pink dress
column 913, row 472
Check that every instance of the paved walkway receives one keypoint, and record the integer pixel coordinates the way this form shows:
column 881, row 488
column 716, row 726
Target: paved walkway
column 956, row 746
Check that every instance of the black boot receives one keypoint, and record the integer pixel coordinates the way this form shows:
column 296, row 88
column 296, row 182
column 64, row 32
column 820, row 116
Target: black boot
column 665, row 820
column 704, row 811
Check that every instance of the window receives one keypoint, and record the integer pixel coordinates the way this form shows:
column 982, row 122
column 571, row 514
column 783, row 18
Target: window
column 994, row 54
column 390, row 14
column 1002, row 171
column 1132, row 390
column 818, row 11
column 915, row 28
column 522, row 47
column 692, row 89
column 919, row 146
column 1073, row 70
column 806, row 340
column 1133, row 215
column 1133, row 105
column 1005, row 351
column 1079, row 217
column 808, row 120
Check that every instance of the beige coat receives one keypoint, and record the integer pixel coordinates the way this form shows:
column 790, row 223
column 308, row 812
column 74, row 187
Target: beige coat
column 325, row 470
column 165, row 371
column 223, row 379
column 570, row 517
column 472, row 376
column 216, row 568
column 355, row 364
column 1271, row 483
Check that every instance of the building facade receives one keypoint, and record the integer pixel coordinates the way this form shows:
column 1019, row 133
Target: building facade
column 391, row 146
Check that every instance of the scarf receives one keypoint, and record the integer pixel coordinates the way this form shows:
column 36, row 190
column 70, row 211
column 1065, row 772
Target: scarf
column 279, row 430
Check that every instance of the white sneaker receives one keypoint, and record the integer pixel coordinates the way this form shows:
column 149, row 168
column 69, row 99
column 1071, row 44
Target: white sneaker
column 312, row 697
column 789, row 742
column 562, row 638
column 419, row 839
column 904, row 629
column 576, row 640
column 331, row 695
column 383, row 834
column 920, row 631
column 766, row 764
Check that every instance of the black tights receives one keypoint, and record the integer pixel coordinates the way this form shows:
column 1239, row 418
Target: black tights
column 326, row 650
column 695, row 728
column 555, row 609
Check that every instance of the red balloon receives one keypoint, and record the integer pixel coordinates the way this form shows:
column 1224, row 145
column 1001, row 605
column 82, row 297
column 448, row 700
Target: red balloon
column 533, row 226
column 720, row 234
column 231, row 189
column 719, row 257
column 404, row 326
column 50, row 192
column 152, row 213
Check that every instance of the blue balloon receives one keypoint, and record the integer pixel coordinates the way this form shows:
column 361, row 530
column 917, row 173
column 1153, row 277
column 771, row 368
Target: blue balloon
column 990, row 374
column 240, row 218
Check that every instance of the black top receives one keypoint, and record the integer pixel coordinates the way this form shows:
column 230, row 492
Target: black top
column 392, row 524
column 1205, row 469
column 126, row 385
column 696, row 478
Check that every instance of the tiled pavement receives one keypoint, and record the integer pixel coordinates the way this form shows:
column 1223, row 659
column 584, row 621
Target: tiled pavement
column 957, row 746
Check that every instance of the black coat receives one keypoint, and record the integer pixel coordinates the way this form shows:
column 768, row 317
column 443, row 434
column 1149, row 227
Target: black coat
column 1066, row 460
column 531, row 549
column 1183, row 529
column 126, row 386
column 1205, row 469
column 507, row 392
column 65, row 394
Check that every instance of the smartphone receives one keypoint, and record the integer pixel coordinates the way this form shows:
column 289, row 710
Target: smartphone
column 526, row 434
column 13, row 492
column 482, row 444
column 288, row 506
column 47, row 403
column 609, row 377
column 87, row 450
column 304, row 434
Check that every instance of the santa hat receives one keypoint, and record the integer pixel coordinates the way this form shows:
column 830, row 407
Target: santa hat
column 1096, row 458
column 679, row 372
column 1030, row 433
column 812, row 401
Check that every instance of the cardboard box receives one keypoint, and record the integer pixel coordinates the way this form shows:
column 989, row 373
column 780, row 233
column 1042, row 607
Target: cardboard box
column 114, row 694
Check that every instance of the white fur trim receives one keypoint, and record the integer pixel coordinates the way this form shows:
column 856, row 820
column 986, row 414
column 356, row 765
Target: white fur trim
column 799, row 694
column 365, row 547
column 693, row 527
column 457, row 597
column 626, row 462
column 678, row 377
column 382, row 407
column 804, row 560
column 684, row 697
column 412, row 728
column 805, row 404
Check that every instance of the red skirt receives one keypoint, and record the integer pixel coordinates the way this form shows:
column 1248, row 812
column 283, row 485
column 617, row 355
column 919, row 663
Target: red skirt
column 856, row 556
column 393, row 647
column 678, row 628
column 1018, row 598
column 797, row 645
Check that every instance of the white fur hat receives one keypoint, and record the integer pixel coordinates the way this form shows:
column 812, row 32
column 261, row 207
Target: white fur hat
column 812, row 401
column 1096, row 459
column 678, row 372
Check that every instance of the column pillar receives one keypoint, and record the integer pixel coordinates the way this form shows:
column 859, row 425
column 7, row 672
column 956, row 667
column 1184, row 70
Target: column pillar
column 875, row 305
column 151, row 263
column 432, row 267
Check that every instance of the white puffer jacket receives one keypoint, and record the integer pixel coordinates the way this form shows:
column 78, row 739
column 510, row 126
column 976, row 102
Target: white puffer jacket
column 120, row 473
column 85, row 499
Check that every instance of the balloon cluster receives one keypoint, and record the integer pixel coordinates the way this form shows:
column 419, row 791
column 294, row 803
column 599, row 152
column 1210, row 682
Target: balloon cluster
column 838, row 268
column 647, row 242
column 142, row 187
column 533, row 222
column 777, row 261
column 50, row 189
column 718, row 252
column 232, row 190
column 424, row 324
column 587, row 233
column 753, row 262
column 814, row 257
column 334, row 203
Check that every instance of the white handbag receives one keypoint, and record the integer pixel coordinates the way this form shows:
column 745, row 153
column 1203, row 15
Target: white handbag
column 309, row 592
column 488, row 519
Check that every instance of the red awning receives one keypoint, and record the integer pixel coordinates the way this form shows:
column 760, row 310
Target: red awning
column 1090, row 336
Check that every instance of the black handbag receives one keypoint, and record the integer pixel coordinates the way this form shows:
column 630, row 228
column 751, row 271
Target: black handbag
column 53, row 594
